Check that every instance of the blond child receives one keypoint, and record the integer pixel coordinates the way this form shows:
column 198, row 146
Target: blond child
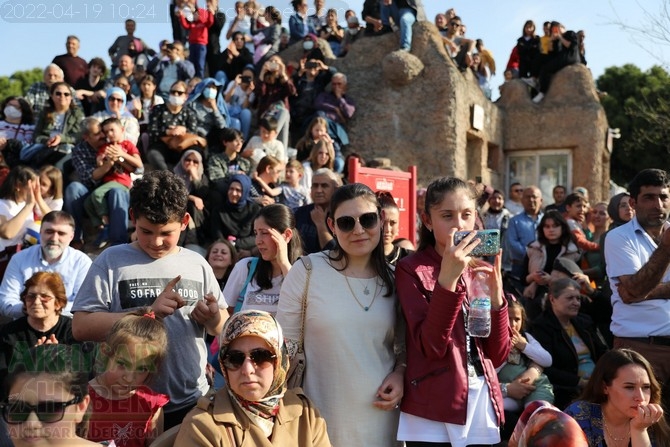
column 123, row 407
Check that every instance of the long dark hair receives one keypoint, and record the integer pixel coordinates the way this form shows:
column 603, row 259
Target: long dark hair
column 377, row 258
column 557, row 217
column 280, row 217
column 435, row 193
column 27, row 116
column 18, row 176
column 606, row 371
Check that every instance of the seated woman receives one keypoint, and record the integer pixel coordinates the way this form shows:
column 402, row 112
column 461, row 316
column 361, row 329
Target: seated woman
column 553, row 241
column 543, row 425
column 570, row 337
column 621, row 403
column 222, row 257
column 235, row 215
column 190, row 169
column 57, row 129
column 43, row 299
column 141, row 108
column 391, row 228
column 19, row 196
column 239, row 95
column 206, row 101
column 16, row 128
column 272, row 95
column 172, row 128
column 47, row 397
column 332, row 32
column 263, row 414
column 115, row 107
column 322, row 155
column 317, row 131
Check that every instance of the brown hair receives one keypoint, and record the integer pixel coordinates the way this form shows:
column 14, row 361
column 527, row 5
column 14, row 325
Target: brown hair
column 53, row 281
column 56, row 176
column 314, row 154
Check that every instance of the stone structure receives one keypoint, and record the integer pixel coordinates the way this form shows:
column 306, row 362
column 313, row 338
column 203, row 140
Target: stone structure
column 417, row 108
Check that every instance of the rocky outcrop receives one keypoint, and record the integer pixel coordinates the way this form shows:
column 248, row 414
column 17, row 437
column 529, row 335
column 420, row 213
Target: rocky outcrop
column 417, row 108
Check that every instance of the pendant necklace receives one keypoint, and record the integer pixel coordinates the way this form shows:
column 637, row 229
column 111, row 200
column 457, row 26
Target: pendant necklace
column 615, row 439
column 366, row 292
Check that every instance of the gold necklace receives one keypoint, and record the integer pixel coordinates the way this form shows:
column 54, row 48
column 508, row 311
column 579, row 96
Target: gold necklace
column 365, row 308
column 609, row 433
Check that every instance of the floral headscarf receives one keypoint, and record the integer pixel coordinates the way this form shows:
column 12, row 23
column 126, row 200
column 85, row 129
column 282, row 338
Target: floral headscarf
column 263, row 325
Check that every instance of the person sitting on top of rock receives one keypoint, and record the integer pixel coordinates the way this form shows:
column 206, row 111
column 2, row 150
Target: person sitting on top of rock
column 458, row 47
column 566, row 52
column 404, row 14
column 337, row 107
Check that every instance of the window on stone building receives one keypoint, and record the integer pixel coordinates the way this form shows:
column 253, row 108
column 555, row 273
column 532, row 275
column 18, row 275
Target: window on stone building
column 545, row 169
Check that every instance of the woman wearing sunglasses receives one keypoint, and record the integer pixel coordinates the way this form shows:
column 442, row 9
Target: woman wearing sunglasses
column 57, row 130
column 115, row 107
column 47, row 396
column 351, row 323
column 254, row 408
column 452, row 395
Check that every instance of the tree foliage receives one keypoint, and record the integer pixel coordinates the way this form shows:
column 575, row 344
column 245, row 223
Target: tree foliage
column 638, row 103
column 18, row 83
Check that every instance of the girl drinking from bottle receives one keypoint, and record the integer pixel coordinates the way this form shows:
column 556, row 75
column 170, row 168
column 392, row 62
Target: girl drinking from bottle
column 435, row 289
column 123, row 407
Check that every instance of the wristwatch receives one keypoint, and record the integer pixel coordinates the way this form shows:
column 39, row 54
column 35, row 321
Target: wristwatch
column 503, row 389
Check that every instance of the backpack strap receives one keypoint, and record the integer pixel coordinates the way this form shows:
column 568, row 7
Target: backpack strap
column 252, row 269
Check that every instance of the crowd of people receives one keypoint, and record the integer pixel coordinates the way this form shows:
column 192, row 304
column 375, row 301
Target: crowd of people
column 215, row 278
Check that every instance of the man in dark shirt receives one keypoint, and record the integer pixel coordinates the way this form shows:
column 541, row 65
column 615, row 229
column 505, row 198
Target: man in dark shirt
column 74, row 68
column 311, row 219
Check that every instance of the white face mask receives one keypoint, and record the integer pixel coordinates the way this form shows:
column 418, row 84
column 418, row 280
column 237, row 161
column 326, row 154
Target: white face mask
column 307, row 45
column 209, row 93
column 353, row 31
column 12, row 112
column 176, row 100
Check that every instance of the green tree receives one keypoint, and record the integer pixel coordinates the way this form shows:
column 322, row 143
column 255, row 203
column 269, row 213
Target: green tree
column 18, row 83
column 638, row 103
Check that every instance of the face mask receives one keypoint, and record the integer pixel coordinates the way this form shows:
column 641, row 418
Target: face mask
column 209, row 93
column 307, row 45
column 353, row 31
column 176, row 100
column 12, row 112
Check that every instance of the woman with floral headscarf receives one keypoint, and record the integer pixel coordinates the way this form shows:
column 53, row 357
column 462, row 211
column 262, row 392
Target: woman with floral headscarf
column 254, row 408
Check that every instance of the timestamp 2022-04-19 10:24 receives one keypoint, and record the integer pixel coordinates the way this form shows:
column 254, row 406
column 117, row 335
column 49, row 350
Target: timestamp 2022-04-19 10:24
column 82, row 11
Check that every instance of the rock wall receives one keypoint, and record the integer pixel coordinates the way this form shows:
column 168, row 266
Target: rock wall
column 416, row 109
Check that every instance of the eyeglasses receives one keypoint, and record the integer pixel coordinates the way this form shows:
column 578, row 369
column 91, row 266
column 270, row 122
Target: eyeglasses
column 48, row 412
column 192, row 160
column 347, row 223
column 261, row 358
column 115, row 99
column 66, row 94
column 42, row 296
column 177, row 92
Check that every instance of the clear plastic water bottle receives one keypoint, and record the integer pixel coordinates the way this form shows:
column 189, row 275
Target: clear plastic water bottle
column 479, row 317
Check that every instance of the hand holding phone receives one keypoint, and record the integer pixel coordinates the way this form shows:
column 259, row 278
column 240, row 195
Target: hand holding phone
column 489, row 245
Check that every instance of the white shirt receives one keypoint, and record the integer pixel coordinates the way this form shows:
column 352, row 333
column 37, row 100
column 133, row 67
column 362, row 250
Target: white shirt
column 627, row 249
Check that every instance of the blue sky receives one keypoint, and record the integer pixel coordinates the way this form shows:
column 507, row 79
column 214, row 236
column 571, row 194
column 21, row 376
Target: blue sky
column 28, row 43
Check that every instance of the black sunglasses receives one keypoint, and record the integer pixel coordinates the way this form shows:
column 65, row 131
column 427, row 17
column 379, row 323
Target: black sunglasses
column 233, row 360
column 48, row 412
column 347, row 223
column 66, row 94
column 177, row 92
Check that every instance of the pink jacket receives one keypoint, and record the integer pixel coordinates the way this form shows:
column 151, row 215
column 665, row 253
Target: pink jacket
column 436, row 378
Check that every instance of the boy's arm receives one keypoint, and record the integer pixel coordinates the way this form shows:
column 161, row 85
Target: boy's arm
column 209, row 314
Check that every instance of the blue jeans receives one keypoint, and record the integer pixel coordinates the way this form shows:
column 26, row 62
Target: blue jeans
column 404, row 18
column 118, row 202
column 244, row 118
column 197, row 54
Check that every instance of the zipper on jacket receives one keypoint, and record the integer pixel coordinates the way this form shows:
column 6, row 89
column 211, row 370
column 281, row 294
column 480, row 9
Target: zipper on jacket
column 416, row 381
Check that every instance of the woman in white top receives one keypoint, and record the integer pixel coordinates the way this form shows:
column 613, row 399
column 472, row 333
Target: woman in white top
column 19, row 196
column 350, row 332
column 279, row 246
column 17, row 121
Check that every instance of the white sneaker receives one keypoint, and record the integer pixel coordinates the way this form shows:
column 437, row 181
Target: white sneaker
column 530, row 81
column 539, row 97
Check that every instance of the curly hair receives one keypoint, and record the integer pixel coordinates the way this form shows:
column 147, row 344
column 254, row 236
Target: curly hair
column 160, row 197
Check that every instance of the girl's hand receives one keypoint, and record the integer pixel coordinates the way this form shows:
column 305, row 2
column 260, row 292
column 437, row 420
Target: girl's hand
column 37, row 191
column 518, row 340
column 390, row 392
column 30, row 197
column 280, row 244
column 519, row 389
column 52, row 340
column 54, row 141
column 647, row 415
column 455, row 259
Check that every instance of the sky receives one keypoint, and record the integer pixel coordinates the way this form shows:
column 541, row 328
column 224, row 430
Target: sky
column 31, row 35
